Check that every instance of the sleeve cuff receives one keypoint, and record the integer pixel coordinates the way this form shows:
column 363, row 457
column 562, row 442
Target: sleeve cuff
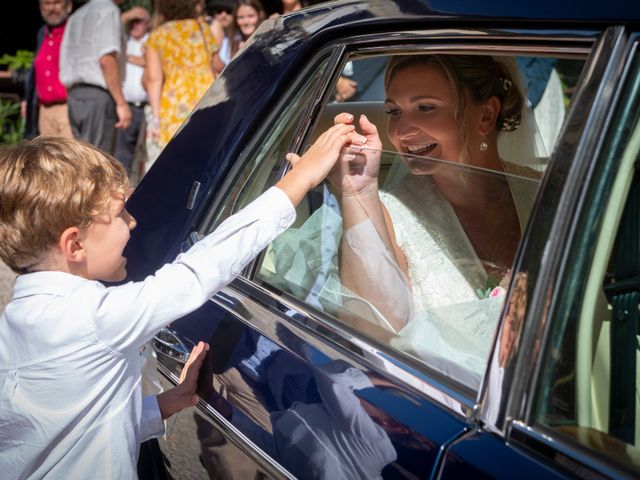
column 115, row 49
column 151, row 424
column 278, row 201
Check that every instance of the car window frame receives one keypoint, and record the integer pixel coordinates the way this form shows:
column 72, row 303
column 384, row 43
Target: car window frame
column 436, row 47
column 446, row 40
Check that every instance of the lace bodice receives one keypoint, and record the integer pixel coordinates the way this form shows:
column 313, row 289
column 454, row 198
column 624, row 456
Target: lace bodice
column 447, row 278
column 443, row 266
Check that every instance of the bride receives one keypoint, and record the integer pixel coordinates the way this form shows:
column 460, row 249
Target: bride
column 446, row 233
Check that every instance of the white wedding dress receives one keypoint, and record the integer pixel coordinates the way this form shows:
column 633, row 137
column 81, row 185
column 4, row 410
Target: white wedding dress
column 454, row 318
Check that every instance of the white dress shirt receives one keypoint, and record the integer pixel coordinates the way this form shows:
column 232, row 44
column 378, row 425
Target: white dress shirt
column 132, row 88
column 70, row 395
column 225, row 48
column 92, row 31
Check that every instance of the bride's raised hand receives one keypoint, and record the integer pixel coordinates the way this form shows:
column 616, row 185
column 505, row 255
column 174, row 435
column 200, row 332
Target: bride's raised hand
column 356, row 171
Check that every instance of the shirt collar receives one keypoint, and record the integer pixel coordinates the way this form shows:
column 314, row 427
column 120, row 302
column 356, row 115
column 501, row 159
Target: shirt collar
column 56, row 31
column 45, row 283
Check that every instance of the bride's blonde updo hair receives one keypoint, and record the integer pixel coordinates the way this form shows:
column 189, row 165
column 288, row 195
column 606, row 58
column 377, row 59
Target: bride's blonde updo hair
column 479, row 75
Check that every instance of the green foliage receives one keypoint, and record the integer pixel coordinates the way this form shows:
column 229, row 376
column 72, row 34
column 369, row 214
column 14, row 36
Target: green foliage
column 12, row 124
column 21, row 60
column 127, row 4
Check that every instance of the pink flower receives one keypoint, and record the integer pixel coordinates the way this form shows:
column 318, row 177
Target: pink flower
column 496, row 292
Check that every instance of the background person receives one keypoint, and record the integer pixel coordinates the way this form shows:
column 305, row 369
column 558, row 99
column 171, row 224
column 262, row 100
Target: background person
column 45, row 105
column 224, row 31
column 248, row 16
column 178, row 68
column 287, row 6
column 93, row 71
column 134, row 93
column 361, row 81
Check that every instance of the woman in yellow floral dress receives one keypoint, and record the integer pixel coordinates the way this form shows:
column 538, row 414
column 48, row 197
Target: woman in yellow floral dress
column 178, row 66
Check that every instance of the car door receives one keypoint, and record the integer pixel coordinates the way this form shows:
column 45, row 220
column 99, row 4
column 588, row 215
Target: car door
column 293, row 385
column 571, row 401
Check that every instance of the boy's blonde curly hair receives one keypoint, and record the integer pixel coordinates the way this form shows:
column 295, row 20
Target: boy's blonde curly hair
column 49, row 184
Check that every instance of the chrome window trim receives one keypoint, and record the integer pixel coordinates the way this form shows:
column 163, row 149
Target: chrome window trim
column 233, row 435
column 573, row 51
column 513, row 35
column 575, row 43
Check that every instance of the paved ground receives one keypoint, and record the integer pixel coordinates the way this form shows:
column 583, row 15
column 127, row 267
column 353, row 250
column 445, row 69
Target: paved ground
column 7, row 277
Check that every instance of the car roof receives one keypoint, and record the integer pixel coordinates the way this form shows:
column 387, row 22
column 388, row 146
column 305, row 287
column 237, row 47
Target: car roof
column 619, row 10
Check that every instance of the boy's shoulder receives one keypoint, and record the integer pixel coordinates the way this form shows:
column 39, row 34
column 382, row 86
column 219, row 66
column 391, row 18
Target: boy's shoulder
column 49, row 283
column 49, row 312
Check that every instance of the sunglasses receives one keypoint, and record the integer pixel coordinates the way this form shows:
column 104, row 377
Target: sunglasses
column 227, row 10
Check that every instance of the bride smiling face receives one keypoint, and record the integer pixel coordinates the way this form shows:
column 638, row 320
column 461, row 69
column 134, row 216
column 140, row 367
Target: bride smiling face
column 449, row 108
column 421, row 107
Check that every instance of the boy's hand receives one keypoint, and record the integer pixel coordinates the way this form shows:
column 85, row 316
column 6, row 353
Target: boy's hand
column 318, row 161
column 184, row 394
column 314, row 166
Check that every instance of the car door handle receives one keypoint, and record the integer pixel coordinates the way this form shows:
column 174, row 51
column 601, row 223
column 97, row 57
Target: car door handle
column 166, row 342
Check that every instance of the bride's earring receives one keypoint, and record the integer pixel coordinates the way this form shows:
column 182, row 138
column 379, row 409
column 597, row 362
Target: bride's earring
column 483, row 144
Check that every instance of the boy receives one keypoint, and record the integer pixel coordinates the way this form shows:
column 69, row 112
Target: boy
column 70, row 400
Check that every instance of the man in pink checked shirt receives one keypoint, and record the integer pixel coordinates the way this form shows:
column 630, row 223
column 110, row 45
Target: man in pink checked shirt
column 45, row 105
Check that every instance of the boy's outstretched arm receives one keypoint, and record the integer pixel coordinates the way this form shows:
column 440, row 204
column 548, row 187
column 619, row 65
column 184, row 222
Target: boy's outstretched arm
column 313, row 167
column 184, row 394
column 214, row 261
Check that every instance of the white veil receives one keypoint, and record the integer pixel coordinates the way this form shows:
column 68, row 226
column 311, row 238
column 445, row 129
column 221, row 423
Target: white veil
column 523, row 146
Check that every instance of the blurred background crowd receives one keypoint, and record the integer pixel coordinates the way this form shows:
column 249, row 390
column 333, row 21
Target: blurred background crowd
column 123, row 74
column 120, row 74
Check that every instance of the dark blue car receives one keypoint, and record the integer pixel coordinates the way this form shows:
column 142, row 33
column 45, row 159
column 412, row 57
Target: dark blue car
column 534, row 375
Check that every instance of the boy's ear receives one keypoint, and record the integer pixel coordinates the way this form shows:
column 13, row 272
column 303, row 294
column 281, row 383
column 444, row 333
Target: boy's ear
column 72, row 245
column 489, row 111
